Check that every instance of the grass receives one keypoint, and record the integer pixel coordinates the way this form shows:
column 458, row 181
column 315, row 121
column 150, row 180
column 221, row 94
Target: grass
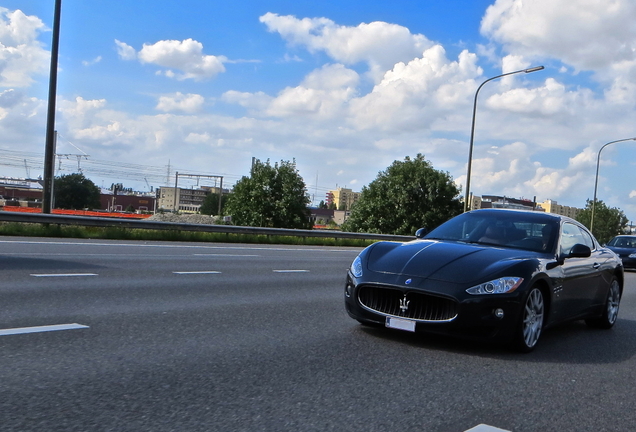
column 114, row 233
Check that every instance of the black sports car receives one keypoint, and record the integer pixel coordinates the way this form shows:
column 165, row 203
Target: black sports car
column 625, row 247
column 495, row 274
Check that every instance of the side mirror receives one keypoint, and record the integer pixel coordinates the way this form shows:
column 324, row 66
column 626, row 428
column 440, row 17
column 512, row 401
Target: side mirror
column 420, row 233
column 580, row 251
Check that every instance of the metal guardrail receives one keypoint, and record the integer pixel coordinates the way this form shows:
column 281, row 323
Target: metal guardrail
column 175, row 226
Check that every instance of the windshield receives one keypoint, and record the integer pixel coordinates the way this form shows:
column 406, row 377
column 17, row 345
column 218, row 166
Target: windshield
column 531, row 231
column 626, row 242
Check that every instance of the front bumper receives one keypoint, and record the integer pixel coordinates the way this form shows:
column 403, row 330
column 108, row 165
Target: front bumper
column 473, row 317
column 628, row 263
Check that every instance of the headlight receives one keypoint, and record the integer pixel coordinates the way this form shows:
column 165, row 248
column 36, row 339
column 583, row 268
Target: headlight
column 356, row 267
column 498, row 286
column 632, row 255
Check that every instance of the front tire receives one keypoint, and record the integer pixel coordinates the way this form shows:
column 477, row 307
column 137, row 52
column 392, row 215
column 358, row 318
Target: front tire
column 531, row 325
column 610, row 312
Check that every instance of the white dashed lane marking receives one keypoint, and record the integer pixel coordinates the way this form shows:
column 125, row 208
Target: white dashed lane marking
column 290, row 271
column 41, row 329
column 197, row 272
column 62, row 274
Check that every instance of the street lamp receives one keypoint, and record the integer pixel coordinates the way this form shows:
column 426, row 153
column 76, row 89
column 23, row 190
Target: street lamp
column 49, row 149
column 472, row 129
column 598, row 162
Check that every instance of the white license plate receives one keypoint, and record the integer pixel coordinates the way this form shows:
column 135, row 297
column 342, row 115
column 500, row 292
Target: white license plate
column 400, row 324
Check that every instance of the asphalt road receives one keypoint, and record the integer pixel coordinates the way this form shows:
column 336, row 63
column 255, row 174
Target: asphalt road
column 212, row 337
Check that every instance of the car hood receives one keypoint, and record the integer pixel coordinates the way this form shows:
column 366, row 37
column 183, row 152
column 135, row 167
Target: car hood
column 444, row 261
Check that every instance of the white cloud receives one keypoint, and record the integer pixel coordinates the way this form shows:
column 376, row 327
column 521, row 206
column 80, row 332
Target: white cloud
column 20, row 29
column 92, row 62
column 198, row 138
column 322, row 93
column 379, row 44
column 632, row 194
column 21, row 55
column 418, row 93
column 587, row 34
column 189, row 103
column 125, row 51
column 79, row 107
column 548, row 99
column 185, row 56
column 22, row 119
column 254, row 101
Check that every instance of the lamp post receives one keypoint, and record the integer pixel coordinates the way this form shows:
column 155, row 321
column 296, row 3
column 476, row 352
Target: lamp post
column 598, row 162
column 472, row 129
column 49, row 149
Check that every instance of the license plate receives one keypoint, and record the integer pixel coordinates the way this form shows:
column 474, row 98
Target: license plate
column 400, row 324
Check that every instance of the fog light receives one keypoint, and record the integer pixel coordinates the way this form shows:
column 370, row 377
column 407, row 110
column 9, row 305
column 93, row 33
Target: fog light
column 348, row 290
column 499, row 313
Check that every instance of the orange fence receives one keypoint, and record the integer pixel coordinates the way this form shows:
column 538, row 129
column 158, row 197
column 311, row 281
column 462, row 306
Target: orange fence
column 77, row 212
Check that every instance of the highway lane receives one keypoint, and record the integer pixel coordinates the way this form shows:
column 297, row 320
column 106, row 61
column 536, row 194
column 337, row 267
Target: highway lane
column 249, row 348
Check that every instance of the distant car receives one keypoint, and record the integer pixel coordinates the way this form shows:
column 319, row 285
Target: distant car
column 493, row 274
column 625, row 247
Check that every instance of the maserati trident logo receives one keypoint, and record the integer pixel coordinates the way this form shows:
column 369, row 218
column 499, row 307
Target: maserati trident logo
column 404, row 304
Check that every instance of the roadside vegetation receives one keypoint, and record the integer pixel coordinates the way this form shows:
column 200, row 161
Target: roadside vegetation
column 408, row 195
column 608, row 221
column 115, row 233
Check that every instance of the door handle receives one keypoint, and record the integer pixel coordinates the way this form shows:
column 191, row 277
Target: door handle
column 596, row 266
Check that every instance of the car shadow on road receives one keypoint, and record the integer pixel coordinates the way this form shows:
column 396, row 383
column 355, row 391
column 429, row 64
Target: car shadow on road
column 573, row 342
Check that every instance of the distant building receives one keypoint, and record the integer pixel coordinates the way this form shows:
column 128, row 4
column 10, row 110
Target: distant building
column 187, row 200
column 551, row 206
column 120, row 202
column 548, row 206
column 325, row 216
column 342, row 198
column 20, row 192
column 495, row 201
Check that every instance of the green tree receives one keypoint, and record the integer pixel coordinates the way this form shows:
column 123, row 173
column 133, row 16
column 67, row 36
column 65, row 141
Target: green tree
column 408, row 195
column 210, row 205
column 75, row 192
column 273, row 196
column 608, row 222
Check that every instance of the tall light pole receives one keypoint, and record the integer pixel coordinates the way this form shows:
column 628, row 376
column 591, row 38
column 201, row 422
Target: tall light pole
column 472, row 129
column 598, row 162
column 49, row 150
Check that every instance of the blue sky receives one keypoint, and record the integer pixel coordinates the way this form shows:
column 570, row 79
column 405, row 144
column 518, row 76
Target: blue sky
column 343, row 87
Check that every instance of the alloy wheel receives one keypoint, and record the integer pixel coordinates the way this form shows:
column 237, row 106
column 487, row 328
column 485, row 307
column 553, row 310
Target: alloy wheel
column 613, row 301
column 533, row 318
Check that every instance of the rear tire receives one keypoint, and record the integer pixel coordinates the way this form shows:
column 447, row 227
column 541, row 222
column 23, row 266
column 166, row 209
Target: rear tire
column 531, row 324
column 610, row 311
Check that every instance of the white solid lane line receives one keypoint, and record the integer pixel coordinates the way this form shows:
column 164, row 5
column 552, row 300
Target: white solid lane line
column 40, row 329
column 196, row 272
column 62, row 274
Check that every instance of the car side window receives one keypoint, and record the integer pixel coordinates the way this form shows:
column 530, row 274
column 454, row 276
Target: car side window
column 587, row 239
column 571, row 235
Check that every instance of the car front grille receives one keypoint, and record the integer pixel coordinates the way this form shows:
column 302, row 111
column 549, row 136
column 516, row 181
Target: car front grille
column 412, row 305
